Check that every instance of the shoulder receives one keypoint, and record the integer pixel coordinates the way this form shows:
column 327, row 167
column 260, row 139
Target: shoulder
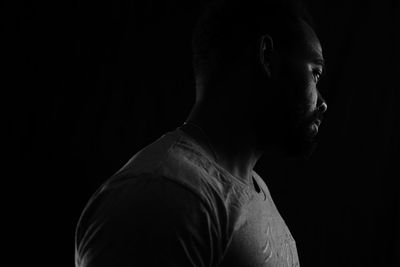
column 143, row 217
column 144, row 196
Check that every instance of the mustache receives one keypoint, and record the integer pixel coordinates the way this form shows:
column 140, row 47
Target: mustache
column 317, row 116
column 310, row 119
column 300, row 116
column 304, row 115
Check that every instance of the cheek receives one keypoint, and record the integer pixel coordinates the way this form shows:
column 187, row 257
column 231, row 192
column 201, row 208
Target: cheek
column 311, row 96
column 305, row 93
column 300, row 92
column 302, row 99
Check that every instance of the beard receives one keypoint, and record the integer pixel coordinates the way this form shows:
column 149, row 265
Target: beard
column 291, row 133
column 286, row 128
column 299, row 142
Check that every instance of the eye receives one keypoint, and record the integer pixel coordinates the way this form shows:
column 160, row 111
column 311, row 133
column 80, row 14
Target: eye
column 317, row 73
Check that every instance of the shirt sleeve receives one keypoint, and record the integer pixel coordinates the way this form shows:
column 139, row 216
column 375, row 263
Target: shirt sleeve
column 147, row 221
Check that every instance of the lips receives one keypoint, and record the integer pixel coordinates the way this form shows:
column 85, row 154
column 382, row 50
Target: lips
column 314, row 127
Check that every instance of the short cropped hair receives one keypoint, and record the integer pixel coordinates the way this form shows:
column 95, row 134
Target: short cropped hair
column 227, row 26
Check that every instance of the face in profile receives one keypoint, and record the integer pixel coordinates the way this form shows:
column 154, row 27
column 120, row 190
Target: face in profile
column 297, row 107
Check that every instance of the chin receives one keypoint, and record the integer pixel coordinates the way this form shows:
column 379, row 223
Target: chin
column 299, row 144
column 291, row 138
column 292, row 145
column 302, row 150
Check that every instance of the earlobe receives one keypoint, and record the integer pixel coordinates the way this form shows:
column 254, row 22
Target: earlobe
column 265, row 53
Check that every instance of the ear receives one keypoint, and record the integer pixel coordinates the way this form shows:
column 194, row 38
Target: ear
column 265, row 53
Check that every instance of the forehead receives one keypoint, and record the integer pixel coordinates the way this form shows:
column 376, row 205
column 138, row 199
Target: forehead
column 310, row 43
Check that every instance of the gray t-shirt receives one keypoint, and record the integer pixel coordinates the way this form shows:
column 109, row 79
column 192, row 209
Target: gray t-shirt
column 173, row 205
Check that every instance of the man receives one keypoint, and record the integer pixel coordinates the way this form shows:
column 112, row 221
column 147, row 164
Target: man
column 192, row 198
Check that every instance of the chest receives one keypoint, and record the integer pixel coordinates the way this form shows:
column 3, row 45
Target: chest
column 261, row 237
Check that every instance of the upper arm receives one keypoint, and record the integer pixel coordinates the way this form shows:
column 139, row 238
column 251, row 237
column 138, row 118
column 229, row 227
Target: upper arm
column 151, row 222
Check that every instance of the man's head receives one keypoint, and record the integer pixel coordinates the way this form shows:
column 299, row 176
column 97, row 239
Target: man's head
column 269, row 54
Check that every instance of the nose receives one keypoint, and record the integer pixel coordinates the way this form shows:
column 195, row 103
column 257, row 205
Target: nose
column 321, row 104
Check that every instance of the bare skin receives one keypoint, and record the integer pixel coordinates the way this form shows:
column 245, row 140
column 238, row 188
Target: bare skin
column 241, row 126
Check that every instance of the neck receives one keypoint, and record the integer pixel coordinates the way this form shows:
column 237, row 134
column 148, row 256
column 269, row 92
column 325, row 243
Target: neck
column 229, row 136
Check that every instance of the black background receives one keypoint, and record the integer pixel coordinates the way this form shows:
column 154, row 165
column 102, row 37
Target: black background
column 88, row 84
